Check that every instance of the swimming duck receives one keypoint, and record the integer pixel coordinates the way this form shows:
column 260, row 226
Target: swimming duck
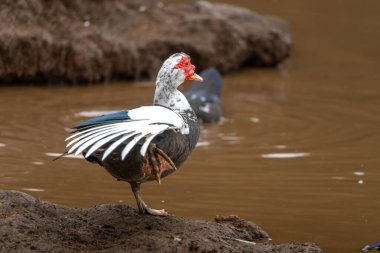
column 145, row 143
column 205, row 98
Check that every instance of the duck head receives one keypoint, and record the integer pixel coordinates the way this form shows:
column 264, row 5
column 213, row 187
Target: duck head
column 175, row 70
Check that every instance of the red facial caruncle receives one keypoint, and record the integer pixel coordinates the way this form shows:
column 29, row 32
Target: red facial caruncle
column 189, row 69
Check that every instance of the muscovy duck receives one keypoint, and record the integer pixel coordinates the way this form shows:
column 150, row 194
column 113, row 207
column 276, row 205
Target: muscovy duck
column 375, row 245
column 205, row 98
column 146, row 143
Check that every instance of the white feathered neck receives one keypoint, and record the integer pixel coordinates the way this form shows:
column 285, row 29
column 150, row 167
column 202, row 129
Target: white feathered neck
column 168, row 79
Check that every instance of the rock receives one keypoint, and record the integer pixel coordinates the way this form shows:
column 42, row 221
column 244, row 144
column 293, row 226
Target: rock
column 82, row 41
column 28, row 224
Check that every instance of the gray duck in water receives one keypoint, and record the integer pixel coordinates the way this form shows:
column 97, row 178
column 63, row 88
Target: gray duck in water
column 204, row 97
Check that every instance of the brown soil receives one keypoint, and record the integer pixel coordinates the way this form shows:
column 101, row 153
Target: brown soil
column 81, row 41
column 30, row 225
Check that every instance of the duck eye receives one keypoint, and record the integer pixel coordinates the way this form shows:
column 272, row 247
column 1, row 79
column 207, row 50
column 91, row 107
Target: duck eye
column 186, row 64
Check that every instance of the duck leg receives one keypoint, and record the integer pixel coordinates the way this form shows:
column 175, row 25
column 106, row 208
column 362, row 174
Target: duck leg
column 156, row 158
column 143, row 208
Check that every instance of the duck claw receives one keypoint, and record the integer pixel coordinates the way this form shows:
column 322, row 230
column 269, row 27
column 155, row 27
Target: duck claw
column 154, row 154
column 166, row 157
column 143, row 208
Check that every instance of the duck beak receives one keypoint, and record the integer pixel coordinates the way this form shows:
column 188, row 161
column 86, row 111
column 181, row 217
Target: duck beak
column 196, row 77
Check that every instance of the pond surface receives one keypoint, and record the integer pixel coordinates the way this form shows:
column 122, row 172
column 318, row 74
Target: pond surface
column 298, row 151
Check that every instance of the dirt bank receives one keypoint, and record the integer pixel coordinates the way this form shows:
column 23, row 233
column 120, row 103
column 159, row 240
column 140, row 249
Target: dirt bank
column 81, row 41
column 29, row 225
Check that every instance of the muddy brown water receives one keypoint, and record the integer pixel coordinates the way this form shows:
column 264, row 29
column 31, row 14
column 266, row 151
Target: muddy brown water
column 298, row 152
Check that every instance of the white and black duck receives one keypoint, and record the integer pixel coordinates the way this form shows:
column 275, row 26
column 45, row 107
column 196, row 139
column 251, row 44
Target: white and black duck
column 205, row 98
column 145, row 143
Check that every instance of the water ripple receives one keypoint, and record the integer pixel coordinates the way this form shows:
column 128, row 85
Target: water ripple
column 284, row 155
column 33, row 189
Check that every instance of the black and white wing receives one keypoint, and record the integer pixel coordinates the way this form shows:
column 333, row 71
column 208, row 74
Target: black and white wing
column 126, row 128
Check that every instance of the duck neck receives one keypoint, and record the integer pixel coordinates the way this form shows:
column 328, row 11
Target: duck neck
column 173, row 99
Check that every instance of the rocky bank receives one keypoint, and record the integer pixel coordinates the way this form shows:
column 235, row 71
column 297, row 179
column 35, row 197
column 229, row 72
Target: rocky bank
column 85, row 41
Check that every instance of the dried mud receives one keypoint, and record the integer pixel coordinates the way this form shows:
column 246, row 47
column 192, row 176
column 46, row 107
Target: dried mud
column 30, row 225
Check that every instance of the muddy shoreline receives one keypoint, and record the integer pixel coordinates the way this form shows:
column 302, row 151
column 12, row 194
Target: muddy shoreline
column 31, row 225
column 82, row 41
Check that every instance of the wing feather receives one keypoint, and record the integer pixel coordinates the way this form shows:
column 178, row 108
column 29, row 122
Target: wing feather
column 130, row 145
column 79, row 132
column 79, row 141
column 102, row 142
column 116, row 144
column 95, row 138
column 143, row 124
column 89, row 133
column 144, row 147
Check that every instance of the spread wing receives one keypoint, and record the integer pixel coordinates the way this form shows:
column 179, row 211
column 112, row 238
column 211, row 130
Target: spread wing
column 126, row 128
